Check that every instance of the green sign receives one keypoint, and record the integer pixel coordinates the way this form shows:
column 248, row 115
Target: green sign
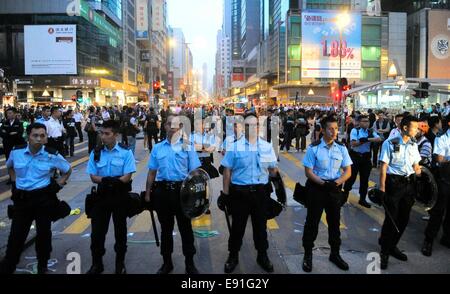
column 90, row 15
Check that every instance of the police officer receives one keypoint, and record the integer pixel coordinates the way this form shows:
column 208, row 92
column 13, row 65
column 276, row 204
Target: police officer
column 110, row 166
column 360, row 142
column 247, row 164
column 170, row 162
column 11, row 131
column 442, row 157
column 323, row 162
column 399, row 159
column 34, row 195
column 45, row 115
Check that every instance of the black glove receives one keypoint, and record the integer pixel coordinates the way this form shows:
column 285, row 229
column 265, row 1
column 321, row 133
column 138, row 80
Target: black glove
column 363, row 140
column 223, row 201
column 331, row 186
column 13, row 188
column 54, row 187
column 111, row 181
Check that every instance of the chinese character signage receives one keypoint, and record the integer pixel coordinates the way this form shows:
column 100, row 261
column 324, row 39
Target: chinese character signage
column 142, row 19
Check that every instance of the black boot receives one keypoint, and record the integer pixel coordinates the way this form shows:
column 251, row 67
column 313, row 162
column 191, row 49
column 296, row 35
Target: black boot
column 120, row 264
column 395, row 252
column 42, row 267
column 232, row 262
column 384, row 260
column 6, row 268
column 427, row 247
column 97, row 266
column 307, row 261
column 264, row 261
column 167, row 266
column 190, row 266
column 364, row 203
column 336, row 258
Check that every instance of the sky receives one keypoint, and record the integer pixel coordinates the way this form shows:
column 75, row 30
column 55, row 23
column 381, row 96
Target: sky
column 200, row 20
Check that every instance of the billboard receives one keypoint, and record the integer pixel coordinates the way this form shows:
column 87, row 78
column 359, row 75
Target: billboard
column 50, row 49
column 141, row 19
column 320, row 45
column 438, row 38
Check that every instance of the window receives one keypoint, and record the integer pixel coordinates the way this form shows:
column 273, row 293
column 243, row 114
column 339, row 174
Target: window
column 371, row 53
column 371, row 32
column 370, row 74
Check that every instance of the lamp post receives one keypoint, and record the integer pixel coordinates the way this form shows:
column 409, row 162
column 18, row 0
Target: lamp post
column 342, row 21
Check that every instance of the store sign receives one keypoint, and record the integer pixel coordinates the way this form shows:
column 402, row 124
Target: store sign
column 24, row 81
column 321, row 54
column 84, row 81
column 142, row 20
column 145, row 56
column 50, row 49
column 158, row 15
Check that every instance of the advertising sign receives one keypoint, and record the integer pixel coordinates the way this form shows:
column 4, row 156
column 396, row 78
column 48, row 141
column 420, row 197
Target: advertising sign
column 438, row 38
column 321, row 54
column 50, row 49
column 141, row 19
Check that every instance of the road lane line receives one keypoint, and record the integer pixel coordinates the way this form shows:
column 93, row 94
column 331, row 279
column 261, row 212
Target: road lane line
column 78, row 226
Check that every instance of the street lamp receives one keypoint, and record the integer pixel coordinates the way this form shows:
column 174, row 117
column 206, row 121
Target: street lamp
column 342, row 20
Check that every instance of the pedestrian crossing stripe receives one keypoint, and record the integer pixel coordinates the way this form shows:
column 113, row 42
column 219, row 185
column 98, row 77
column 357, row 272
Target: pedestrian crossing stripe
column 272, row 224
column 142, row 223
column 202, row 221
column 78, row 226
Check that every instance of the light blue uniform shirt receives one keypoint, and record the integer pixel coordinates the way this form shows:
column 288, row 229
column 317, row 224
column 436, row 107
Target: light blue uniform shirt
column 327, row 161
column 249, row 163
column 113, row 163
column 173, row 162
column 205, row 140
column 34, row 171
column 400, row 163
column 41, row 120
column 355, row 136
column 442, row 145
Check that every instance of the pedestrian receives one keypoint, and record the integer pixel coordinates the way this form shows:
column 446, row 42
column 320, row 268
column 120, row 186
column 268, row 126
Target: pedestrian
column 110, row 166
column 323, row 163
column 170, row 162
column 33, row 191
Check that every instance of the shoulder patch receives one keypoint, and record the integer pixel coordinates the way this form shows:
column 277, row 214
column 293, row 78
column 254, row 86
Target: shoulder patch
column 17, row 147
column 51, row 150
column 123, row 146
column 316, row 143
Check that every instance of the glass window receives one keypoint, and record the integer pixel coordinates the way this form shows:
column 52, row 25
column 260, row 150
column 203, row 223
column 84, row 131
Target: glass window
column 294, row 74
column 371, row 32
column 370, row 74
column 294, row 52
column 371, row 53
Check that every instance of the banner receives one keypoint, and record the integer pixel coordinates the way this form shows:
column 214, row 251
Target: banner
column 320, row 45
column 438, row 38
column 50, row 49
column 141, row 19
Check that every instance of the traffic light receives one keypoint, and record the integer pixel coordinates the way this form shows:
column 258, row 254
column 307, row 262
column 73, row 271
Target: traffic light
column 337, row 96
column 342, row 84
column 156, row 87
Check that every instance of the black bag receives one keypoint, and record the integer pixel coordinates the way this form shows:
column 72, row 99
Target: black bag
column 274, row 209
column 134, row 203
column 300, row 194
column 89, row 202
column 10, row 211
column 62, row 209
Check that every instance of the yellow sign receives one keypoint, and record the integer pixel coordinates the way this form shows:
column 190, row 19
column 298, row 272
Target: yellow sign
column 108, row 84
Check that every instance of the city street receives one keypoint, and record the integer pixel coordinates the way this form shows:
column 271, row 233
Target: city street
column 360, row 228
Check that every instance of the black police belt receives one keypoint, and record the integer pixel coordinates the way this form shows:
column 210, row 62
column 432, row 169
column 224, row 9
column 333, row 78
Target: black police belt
column 402, row 179
column 359, row 154
column 169, row 185
column 26, row 195
column 248, row 188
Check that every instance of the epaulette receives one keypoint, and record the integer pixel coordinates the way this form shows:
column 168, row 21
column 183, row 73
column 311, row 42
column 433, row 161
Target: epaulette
column 17, row 147
column 395, row 141
column 121, row 145
column 51, row 150
column 339, row 143
column 316, row 143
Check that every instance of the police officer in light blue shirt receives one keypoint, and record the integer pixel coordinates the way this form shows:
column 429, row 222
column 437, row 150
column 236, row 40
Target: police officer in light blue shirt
column 399, row 159
column 31, row 168
column 111, row 166
column 442, row 207
column 361, row 139
column 324, row 161
column 45, row 115
column 247, row 164
column 170, row 162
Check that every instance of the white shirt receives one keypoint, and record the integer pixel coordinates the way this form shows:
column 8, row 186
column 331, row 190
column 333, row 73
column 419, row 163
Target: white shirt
column 54, row 127
column 77, row 117
column 105, row 115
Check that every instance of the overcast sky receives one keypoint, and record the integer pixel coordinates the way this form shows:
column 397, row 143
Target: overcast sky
column 200, row 20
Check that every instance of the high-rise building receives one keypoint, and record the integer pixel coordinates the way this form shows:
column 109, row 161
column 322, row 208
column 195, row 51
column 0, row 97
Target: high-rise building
column 226, row 22
column 180, row 66
column 205, row 84
column 159, row 39
column 250, row 26
column 143, row 49
column 236, row 29
column 411, row 6
column 96, row 48
column 129, row 45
